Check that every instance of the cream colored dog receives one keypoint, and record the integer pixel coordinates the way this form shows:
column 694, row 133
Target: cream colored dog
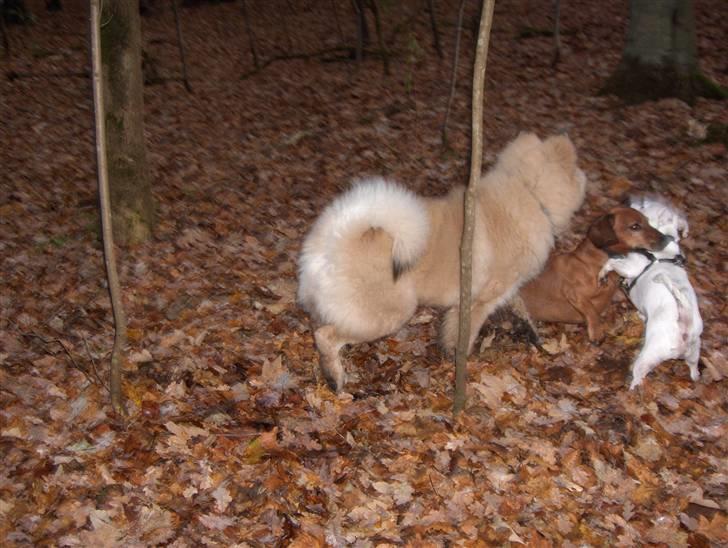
column 378, row 251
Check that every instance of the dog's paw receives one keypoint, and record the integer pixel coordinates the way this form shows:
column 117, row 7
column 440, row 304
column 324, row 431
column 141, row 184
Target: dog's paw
column 596, row 335
column 333, row 373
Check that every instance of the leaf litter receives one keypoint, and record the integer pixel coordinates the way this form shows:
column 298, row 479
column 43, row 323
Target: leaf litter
column 230, row 439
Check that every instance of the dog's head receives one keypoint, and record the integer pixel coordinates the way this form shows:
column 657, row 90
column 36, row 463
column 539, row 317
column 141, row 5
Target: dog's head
column 661, row 214
column 550, row 169
column 625, row 229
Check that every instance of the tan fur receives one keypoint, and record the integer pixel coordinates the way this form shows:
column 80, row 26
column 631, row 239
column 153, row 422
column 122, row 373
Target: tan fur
column 568, row 289
column 525, row 199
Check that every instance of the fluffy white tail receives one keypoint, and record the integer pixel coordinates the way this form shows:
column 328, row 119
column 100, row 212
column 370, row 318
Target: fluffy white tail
column 377, row 203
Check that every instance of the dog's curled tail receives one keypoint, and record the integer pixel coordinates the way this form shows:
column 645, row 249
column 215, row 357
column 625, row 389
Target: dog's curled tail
column 379, row 204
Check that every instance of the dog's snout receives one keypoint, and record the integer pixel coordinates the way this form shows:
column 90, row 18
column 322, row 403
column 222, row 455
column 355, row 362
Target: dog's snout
column 665, row 240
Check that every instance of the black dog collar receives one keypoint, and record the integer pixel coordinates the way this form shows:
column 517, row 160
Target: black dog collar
column 678, row 260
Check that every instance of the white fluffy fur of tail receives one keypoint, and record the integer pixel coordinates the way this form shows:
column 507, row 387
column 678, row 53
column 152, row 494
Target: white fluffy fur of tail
column 370, row 203
column 377, row 203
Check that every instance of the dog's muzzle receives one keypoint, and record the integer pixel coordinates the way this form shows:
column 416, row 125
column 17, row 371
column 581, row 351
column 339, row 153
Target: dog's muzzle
column 664, row 241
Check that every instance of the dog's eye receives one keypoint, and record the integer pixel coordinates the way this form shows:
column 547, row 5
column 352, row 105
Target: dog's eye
column 636, row 226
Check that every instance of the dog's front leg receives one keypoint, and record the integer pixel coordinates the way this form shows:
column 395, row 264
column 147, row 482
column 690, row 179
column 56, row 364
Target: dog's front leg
column 482, row 307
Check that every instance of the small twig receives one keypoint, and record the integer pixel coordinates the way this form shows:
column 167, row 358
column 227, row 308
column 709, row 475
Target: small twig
column 433, row 24
column 94, row 368
column 380, row 38
column 251, row 36
column 557, row 33
column 434, row 489
column 4, row 29
column 181, row 46
column 97, row 380
column 291, row 57
column 453, row 76
column 338, row 23
column 13, row 75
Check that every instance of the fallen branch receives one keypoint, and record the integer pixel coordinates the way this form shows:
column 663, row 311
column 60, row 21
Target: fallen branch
column 291, row 57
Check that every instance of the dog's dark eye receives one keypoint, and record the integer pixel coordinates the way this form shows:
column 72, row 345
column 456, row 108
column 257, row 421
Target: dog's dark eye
column 636, row 226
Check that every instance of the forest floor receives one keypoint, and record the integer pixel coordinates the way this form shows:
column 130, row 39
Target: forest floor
column 230, row 439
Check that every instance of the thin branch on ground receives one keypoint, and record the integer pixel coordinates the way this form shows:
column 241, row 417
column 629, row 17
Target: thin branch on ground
column 291, row 57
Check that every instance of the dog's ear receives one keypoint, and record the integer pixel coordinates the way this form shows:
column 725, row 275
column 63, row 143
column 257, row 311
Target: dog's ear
column 601, row 232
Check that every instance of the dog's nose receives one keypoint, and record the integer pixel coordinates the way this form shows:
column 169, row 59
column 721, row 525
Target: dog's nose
column 666, row 239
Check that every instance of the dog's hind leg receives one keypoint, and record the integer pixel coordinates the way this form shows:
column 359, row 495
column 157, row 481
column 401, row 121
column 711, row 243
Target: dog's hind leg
column 518, row 307
column 329, row 344
column 647, row 360
column 692, row 357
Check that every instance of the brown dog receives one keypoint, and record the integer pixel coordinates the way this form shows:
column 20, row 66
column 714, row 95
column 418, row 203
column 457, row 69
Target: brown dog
column 568, row 289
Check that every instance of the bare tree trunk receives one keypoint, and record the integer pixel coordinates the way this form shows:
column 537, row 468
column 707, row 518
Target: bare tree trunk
column 284, row 20
column 4, row 29
column 361, row 29
column 433, row 24
column 557, row 33
column 660, row 55
column 251, row 36
column 466, row 245
column 121, row 56
column 338, row 23
column 117, row 353
column 380, row 38
column 453, row 77
column 181, row 46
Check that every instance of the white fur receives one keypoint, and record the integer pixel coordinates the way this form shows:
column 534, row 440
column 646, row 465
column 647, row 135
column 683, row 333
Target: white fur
column 663, row 295
column 370, row 203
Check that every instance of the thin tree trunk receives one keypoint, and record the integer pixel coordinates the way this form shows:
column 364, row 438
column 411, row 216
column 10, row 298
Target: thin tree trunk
column 117, row 353
column 557, row 33
column 380, row 38
column 251, row 36
column 660, row 55
column 433, row 24
column 453, row 77
column 121, row 54
column 360, row 29
column 338, row 23
column 4, row 29
column 284, row 20
column 181, row 46
column 466, row 245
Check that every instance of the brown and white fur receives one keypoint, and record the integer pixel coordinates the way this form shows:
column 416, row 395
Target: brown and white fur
column 378, row 251
column 568, row 289
column 659, row 287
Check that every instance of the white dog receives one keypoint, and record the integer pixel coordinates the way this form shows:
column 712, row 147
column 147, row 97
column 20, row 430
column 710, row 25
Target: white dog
column 658, row 286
